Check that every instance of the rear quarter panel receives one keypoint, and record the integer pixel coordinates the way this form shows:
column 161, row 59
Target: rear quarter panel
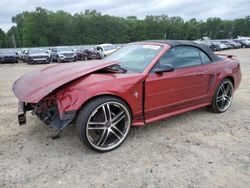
column 227, row 68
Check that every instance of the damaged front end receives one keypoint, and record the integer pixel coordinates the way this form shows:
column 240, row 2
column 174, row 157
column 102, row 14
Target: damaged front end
column 48, row 111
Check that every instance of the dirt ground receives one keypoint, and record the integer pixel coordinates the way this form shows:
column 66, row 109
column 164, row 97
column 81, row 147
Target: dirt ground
column 195, row 149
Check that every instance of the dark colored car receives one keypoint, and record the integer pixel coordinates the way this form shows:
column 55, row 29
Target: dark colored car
column 62, row 54
column 8, row 56
column 138, row 84
column 37, row 56
column 89, row 54
column 215, row 46
column 235, row 45
column 245, row 42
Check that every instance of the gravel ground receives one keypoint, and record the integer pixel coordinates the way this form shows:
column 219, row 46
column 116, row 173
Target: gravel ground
column 195, row 149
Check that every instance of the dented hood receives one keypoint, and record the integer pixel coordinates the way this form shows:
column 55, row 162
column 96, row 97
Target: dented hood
column 34, row 86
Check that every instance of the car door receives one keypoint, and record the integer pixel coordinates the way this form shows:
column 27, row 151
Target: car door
column 186, row 86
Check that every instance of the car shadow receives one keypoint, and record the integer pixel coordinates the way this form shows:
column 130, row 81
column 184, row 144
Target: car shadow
column 40, row 134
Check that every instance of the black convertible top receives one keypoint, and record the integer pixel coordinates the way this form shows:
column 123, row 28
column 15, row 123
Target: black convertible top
column 203, row 47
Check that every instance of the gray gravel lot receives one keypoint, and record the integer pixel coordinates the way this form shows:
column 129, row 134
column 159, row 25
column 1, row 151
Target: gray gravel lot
column 195, row 149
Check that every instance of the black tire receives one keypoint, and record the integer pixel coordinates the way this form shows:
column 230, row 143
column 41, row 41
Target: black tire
column 48, row 60
column 29, row 61
column 215, row 107
column 97, row 106
column 58, row 60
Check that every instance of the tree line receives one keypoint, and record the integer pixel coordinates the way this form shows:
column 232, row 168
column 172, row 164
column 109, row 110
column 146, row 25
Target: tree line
column 43, row 27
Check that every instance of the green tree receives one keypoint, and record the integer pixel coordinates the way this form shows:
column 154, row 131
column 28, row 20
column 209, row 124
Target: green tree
column 2, row 39
column 47, row 28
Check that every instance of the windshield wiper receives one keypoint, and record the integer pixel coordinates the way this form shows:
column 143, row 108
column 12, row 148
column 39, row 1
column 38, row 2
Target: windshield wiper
column 118, row 68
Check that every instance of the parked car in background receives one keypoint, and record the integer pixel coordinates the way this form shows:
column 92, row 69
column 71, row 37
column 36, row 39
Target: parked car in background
column 8, row 56
column 62, row 54
column 227, row 43
column 221, row 45
column 37, row 55
column 234, row 44
column 106, row 49
column 245, row 43
column 89, row 54
column 22, row 55
column 141, row 83
column 215, row 46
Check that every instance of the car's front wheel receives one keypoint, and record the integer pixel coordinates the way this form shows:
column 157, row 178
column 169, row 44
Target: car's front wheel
column 223, row 96
column 103, row 123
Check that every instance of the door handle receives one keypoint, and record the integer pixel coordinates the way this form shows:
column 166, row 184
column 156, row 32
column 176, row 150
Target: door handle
column 200, row 73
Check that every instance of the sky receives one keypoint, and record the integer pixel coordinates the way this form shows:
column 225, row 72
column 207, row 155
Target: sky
column 187, row 9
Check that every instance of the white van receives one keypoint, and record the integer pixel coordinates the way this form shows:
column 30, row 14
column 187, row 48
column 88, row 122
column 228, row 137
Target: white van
column 106, row 48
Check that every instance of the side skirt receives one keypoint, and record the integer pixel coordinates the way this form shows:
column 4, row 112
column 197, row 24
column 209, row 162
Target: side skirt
column 150, row 120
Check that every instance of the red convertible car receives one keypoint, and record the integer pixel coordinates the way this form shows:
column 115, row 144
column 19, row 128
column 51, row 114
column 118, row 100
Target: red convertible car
column 138, row 84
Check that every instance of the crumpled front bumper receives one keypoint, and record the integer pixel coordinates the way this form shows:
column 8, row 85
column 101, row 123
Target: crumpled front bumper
column 21, row 113
column 49, row 116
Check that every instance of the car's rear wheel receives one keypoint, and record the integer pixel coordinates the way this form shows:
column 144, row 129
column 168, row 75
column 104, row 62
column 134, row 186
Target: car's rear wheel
column 223, row 96
column 103, row 124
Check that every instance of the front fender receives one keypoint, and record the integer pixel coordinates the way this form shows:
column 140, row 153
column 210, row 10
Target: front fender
column 73, row 99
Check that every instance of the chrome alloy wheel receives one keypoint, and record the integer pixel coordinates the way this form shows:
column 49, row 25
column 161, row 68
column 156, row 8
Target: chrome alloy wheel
column 108, row 125
column 224, row 96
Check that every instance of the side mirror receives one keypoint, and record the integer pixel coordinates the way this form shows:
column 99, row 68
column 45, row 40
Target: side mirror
column 164, row 68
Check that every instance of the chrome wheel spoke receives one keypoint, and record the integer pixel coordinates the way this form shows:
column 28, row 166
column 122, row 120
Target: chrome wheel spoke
column 227, row 98
column 105, row 113
column 227, row 90
column 103, row 141
column 117, row 116
column 96, row 128
column 96, row 125
column 116, row 129
column 119, row 119
column 109, row 113
column 222, row 88
column 114, row 133
column 220, row 98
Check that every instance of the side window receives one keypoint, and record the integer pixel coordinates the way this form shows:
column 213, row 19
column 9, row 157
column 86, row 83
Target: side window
column 204, row 58
column 99, row 48
column 181, row 56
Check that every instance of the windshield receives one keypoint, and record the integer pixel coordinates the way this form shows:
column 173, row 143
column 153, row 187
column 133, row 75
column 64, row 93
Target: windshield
column 135, row 57
column 7, row 51
column 37, row 50
column 109, row 47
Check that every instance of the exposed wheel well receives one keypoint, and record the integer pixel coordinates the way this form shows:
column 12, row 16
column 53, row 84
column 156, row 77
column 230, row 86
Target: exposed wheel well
column 230, row 78
column 105, row 95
